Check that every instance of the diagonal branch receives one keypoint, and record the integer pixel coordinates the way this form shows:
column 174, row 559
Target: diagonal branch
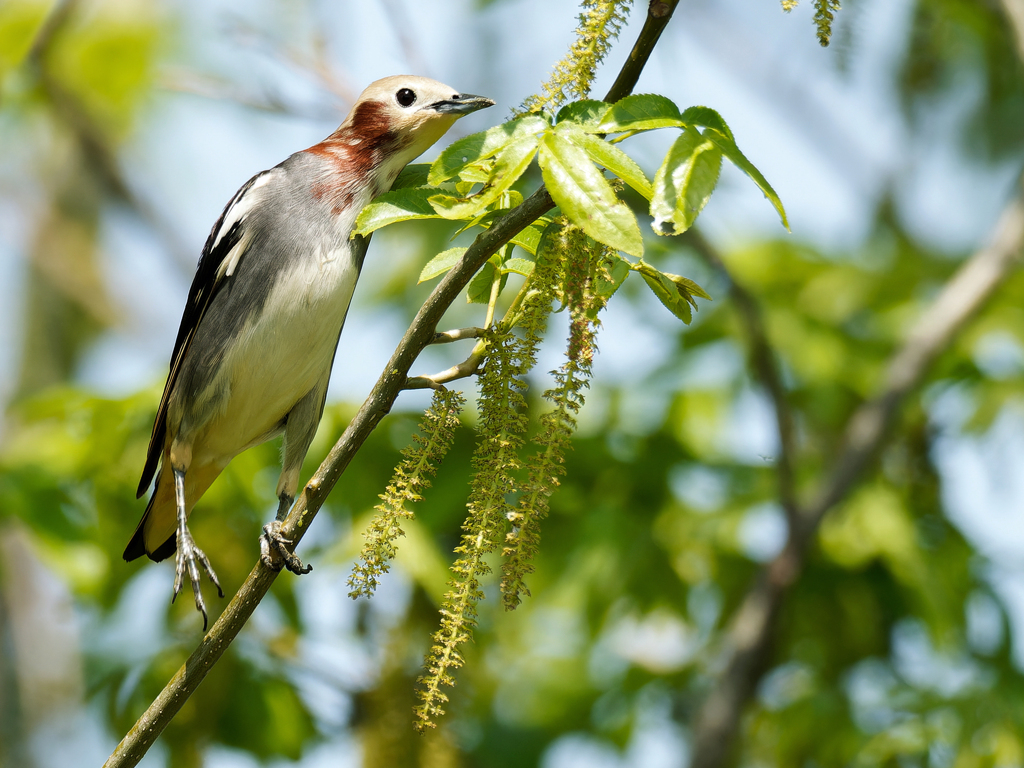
column 421, row 332
column 750, row 633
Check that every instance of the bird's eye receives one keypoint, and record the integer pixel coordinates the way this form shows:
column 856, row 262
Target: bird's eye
column 405, row 97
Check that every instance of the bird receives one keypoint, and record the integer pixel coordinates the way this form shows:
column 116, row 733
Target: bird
column 264, row 314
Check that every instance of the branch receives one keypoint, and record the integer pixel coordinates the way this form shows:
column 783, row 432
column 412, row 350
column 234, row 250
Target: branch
column 458, row 334
column 468, row 367
column 463, row 370
column 748, row 642
column 765, row 368
column 659, row 13
column 421, row 332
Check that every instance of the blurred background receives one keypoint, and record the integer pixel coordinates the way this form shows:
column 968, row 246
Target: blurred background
column 125, row 126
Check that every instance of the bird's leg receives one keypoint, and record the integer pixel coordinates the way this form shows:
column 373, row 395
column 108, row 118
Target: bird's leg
column 189, row 556
column 276, row 551
column 273, row 542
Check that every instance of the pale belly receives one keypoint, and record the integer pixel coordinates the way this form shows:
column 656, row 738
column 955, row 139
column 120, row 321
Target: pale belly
column 277, row 360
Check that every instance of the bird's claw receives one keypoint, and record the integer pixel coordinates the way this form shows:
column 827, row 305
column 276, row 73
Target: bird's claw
column 276, row 552
column 190, row 558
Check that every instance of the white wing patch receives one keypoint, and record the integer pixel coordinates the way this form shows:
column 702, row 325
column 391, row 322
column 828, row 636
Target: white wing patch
column 240, row 206
column 227, row 266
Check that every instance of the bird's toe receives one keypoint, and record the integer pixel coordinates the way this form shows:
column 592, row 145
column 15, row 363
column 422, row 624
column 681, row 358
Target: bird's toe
column 191, row 558
column 276, row 552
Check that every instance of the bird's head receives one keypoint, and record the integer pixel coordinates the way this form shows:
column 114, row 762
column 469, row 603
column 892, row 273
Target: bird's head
column 398, row 118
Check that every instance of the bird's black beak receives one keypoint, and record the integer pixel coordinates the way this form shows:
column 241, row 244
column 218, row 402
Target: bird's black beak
column 461, row 104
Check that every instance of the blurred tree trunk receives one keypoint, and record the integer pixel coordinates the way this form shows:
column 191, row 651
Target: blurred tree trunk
column 66, row 304
column 13, row 750
column 42, row 664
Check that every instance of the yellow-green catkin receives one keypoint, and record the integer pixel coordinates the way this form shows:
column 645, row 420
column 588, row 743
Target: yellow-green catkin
column 572, row 78
column 503, row 424
column 419, row 463
column 501, row 428
column 581, row 258
column 824, row 15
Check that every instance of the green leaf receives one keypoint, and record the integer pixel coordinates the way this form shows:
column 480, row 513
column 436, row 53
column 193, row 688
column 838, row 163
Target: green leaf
column 526, row 238
column 518, row 265
column 666, row 290
column 684, row 182
column 611, row 157
column 479, row 290
column 441, row 263
column 706, row 117
column 731, row 151
column 509, row 165
column 414, row 175
column 475, row 173
column 614, row 271
column 690, row 287
column 585, row 196
column 511, row 199
column 397, row 205
column 529, row 238
column 641, row 112
column 472, row 149
column 484, row 220
column 587, row 114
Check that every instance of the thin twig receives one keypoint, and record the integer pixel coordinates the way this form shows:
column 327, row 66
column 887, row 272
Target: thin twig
column 271, row 100
column 421, row 332
column 468, row 367
column 457, row 334
column 750, row 634
column 658, row 14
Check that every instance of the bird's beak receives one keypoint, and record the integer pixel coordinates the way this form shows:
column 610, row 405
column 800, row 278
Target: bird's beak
column 460, row 105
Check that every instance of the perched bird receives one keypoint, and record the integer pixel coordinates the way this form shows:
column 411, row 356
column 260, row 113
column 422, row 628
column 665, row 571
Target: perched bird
column 258, row 335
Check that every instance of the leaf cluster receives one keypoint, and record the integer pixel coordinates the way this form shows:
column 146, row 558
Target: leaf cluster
column 472, row 182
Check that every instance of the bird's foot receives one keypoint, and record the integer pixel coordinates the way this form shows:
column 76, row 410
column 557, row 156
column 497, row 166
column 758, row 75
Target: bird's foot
column 189, row 558
column 276, row 552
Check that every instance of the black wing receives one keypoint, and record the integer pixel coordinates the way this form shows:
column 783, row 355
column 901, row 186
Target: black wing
column 207, row 282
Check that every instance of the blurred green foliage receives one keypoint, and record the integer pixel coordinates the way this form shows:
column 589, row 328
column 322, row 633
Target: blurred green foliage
column 954, row 43
column 644, row 541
